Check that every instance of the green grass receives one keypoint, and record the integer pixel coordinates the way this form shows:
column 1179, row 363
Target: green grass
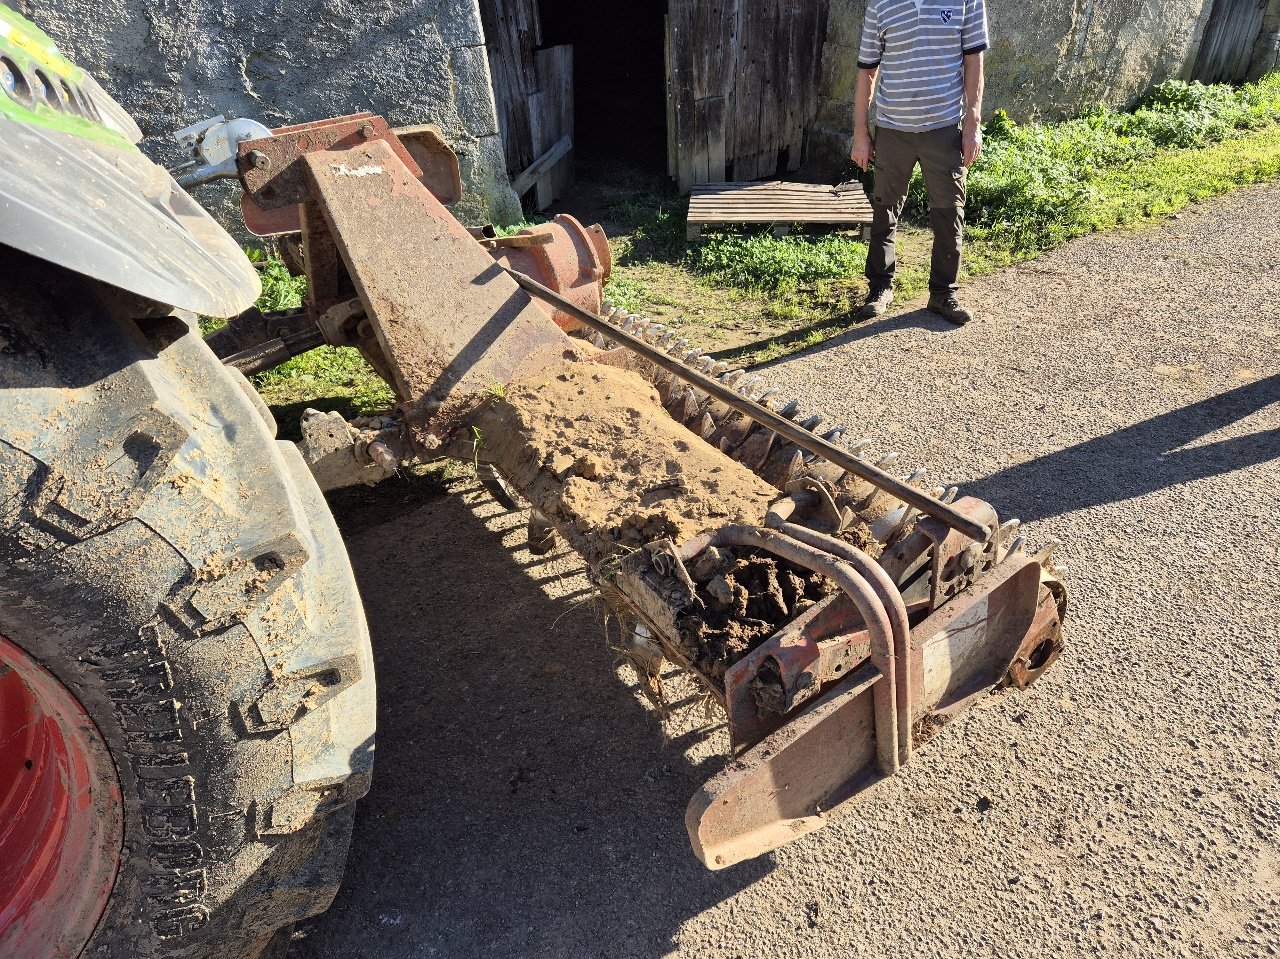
column 1035, row 187
column 327, row 378
column 755, row 296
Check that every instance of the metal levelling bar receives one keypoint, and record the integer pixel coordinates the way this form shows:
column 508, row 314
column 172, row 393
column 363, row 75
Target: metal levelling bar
column 926, row 504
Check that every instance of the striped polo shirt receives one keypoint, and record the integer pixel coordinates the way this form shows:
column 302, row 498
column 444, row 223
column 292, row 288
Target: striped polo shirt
column 919, row 46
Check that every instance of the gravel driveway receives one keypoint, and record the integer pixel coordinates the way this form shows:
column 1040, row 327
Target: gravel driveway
column 1121, row 395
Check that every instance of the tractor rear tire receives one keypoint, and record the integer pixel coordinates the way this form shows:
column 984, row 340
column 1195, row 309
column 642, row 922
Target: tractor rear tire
column 177, row 570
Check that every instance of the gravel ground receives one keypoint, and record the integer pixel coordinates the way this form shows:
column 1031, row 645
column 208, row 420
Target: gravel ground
column 1121, row 395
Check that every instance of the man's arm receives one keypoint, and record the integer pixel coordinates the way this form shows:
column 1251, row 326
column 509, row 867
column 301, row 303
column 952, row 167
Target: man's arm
column 863, row 152
column 972, row 128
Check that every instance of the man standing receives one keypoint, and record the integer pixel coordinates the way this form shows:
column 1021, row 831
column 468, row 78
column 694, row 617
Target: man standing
column 927, row 55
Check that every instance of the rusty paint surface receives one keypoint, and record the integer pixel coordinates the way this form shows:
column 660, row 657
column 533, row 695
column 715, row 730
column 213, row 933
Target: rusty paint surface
column 786, row 786
column 61, row 817
column 272, row 174
column 450, row 322
column 574, row 262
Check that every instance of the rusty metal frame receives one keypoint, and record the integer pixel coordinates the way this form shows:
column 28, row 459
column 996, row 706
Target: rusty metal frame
column 393, row 273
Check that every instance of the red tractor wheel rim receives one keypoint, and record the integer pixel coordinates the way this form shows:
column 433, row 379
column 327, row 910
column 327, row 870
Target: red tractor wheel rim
column 61, row 818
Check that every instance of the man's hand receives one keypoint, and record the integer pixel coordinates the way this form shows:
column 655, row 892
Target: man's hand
column 971, row 140
column 863, row 151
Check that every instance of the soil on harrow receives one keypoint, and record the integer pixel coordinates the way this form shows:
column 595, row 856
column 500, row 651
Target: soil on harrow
column 593, row 449
column 746, row 596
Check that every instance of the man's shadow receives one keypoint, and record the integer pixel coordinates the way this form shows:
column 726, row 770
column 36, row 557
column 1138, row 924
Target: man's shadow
column 1138, row 459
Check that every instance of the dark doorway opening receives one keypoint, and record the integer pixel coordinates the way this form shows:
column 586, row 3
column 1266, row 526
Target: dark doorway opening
column 619, row 77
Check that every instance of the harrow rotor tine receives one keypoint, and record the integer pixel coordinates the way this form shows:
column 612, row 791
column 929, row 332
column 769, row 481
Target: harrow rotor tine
column 728, row 379
column 606, row 307
column 1005, row 536
column 915, row 477
column 884, row 527
column 706, row 426
column 950, row 495
column 790, row 410
column 690, row 407
column 782, row 466
column 1046, row 554
column 677, row 346
column 719, row 369
column 770, row 392
column 813, row 422
column 834, row 436
column 858, row 447
column 1015, row 545
column 692, row 357
column 665, row 341
column 900, row 528
column 887, row 460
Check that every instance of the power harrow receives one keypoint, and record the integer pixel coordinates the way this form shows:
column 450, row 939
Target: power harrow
column 839, row 612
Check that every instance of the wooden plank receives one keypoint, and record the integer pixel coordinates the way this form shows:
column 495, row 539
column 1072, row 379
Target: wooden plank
column 747, row 103
column 715, row 139
column 513, row 30
column 763, row 204
column 732, row 27
column 707, row 216
column 715, row 190
column 802, row 199
column 540, row 128
column 682, row 48
column 809, row 213
column 554, row 69
column 671, row 98
column 800, row 216
column 779, row 216
column 701, row 141
column 531, row 176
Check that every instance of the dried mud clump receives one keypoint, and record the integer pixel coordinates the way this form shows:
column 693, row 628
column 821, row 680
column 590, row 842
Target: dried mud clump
column 591, row 447
column 745, row 596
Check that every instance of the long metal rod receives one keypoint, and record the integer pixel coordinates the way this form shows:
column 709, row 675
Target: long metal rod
column 761, row 414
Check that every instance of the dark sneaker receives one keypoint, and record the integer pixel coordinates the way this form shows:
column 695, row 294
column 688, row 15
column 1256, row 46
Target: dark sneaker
column 878, row 300
column 948, row 307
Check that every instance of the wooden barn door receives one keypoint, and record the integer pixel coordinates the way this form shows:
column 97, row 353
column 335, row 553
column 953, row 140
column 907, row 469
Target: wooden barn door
column 742, row 86
column 533, row 91
column 1226, row 48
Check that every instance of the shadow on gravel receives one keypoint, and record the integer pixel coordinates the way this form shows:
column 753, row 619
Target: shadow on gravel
column 1139, row 459
column 523, row 802
column 856, row 330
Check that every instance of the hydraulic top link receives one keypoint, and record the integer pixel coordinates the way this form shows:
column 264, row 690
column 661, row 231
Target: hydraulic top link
column 943, row 512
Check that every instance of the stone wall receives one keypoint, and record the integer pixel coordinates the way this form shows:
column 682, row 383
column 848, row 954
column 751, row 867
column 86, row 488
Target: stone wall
column 1048, row 60
column 414, row 61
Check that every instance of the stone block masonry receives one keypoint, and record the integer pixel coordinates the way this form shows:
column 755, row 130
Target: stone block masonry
column 1048, row 60
column 418, row 61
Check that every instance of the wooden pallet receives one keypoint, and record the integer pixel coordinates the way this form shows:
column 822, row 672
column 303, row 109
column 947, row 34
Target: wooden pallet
column 778, row 203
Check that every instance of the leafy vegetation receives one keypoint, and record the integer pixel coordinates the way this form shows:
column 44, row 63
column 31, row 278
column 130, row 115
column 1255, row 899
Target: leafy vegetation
column 1036, row 186
column 755, row 296
column 327, row 378
column 1040, row 184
